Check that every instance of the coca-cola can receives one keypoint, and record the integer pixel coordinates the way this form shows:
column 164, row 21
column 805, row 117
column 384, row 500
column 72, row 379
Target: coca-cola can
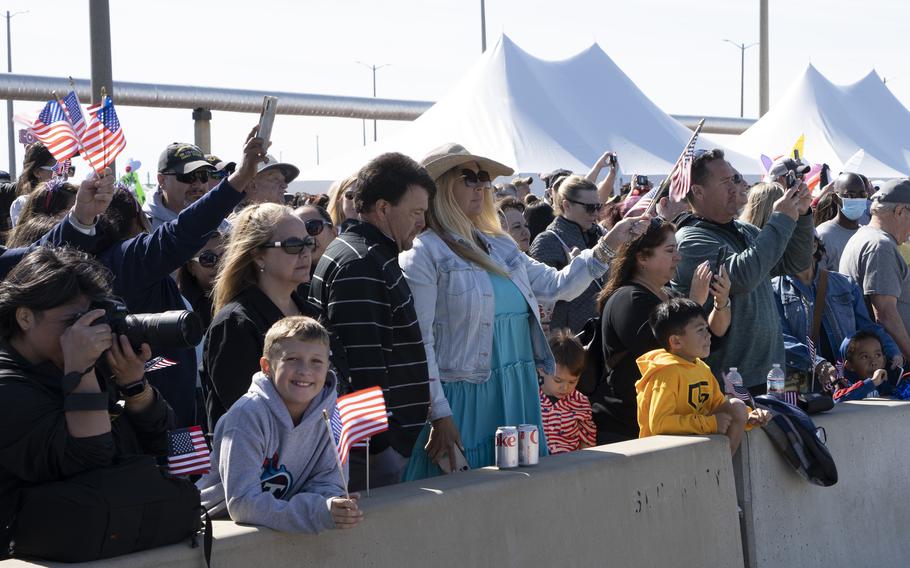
column 528, row 445
column 506, row 447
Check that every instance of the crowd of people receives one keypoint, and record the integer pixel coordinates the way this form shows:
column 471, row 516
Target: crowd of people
column 464, row 302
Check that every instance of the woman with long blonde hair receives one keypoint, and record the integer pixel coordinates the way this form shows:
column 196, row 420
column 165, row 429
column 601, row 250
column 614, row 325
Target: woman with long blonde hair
column 341, row 203
column 476, row 297
column 266, row 258
column 760, row 203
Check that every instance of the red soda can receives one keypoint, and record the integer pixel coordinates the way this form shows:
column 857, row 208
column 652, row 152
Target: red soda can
column 528, row 445
column 506, row 447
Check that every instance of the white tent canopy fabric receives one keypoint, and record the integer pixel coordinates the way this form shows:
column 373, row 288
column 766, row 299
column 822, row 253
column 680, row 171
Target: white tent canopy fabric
column 536, row 116
column 836, row 121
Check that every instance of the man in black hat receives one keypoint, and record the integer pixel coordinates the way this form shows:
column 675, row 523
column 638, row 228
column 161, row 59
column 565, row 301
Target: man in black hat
column 872, row 258
column 183, row 176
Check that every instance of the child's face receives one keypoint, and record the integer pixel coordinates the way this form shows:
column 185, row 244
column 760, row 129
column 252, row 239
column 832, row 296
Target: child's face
column 867, row 358
column 297, row 369
column 560, row 384
column 694, row 342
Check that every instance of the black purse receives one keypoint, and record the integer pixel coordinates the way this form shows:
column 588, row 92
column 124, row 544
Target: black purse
column 814, row 403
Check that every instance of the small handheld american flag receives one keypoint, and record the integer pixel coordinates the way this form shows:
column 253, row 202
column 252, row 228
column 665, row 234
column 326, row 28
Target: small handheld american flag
column 358, row 416
column 103, row 138
column 157, row 363
column 74, row 113
column 682, row 175
column 54, row 130
column 187, row 452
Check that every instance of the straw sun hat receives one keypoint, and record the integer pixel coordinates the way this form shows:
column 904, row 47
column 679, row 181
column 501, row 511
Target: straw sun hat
column 450, row 155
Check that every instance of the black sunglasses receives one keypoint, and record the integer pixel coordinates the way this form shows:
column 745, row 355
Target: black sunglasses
column 316, row 226
column 349, row 194
column 589, row 207
column 471, row 179
column 293, row 245
column 201, row 175
column 208, row 258
column 737, row 179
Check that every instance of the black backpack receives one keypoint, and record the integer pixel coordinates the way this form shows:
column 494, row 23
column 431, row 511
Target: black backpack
column 799, row 441
column 105, row 512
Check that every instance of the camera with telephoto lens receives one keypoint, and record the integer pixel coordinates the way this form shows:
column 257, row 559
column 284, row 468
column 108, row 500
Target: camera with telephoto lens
column 176, row 329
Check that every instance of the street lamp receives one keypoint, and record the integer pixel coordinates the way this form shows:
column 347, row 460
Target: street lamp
column 742, row 68
column 374, row 68
column 10, row 139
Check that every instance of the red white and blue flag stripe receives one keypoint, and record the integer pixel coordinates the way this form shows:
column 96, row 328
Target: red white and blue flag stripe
column 158, row 363
column 74, row 113
column 358, row 416
column 53, row 130
column 187, row 452
column 103, row 138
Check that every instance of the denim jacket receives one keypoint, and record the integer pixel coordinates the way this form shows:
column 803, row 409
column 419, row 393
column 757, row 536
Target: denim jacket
column 845, row 314
column 455, row 305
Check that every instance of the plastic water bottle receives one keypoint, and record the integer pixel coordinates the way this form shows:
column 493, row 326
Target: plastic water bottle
column 734, row 382
column 776, row 381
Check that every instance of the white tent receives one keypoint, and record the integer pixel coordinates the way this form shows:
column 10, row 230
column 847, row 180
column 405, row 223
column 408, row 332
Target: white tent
column 836, row 122
column 536, row 116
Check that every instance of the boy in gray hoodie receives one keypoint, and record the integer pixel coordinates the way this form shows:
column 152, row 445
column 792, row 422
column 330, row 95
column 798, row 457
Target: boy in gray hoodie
column 272, row 462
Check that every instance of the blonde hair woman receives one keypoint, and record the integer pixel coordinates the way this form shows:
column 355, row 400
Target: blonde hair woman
column 266, row 258
column 341, row 202
column 760, row 203
column 476, row 297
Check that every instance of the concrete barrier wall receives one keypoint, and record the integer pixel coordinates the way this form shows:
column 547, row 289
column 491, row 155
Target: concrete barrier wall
column 860, row 521
column 664, row 501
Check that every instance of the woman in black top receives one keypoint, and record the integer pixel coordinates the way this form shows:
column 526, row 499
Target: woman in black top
column 58, row 417
column 639, row 280
column 267, row 257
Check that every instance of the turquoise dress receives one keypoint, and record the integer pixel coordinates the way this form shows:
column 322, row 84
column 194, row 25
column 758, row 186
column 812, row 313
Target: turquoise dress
column 509, row 398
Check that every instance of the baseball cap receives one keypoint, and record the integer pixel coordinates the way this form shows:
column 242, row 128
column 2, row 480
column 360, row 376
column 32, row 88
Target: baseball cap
column 181, row 158
column 219, row 164
column 782, row 165
column 893, row 191
column 290, row 171
column 549, row 178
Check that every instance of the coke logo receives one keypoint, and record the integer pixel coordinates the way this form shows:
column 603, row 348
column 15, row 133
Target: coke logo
column 506, row 441
column 533, row 436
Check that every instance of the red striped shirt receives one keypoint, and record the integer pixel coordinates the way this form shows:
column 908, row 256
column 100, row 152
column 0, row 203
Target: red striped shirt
column 567, row 423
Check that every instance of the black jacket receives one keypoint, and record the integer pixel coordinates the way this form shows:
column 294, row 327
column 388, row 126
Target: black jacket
column 233, row 345
column 35, row 445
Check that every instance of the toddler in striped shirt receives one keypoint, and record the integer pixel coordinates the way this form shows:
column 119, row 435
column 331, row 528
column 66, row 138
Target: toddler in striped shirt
column 565, row 412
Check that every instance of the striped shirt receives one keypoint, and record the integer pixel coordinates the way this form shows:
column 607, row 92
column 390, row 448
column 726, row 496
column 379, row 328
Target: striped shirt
column 567, row 423
column 365, row 300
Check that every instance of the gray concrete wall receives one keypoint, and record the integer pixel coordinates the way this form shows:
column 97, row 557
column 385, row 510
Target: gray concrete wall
column 860, row 521
column 664, row 501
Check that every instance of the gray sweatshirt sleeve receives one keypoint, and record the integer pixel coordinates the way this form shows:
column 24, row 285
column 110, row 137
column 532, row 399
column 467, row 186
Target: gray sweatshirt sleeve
column 747, row 269
column 243, row 449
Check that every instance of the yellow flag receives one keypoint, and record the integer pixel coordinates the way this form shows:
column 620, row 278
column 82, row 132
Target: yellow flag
column 798, row 146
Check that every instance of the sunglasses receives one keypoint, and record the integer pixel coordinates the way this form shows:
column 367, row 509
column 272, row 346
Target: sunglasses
column 208, row 258
column 200, row 175
column 293, row 245
column 737, row 179
column 472, row 179
column 316, row 226
column 589, row 207
column 349, row 194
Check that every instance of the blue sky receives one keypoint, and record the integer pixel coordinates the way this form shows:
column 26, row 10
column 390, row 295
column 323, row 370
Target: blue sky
column 672, row 50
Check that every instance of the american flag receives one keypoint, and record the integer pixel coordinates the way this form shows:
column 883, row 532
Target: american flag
column 739, row 391
column 358, row 416
column 103, row 138
column 158, row 363
column 54, row 131
column 643, row 204
column 187, row 452
column 74, row 113
column 682, row 173
column 790, row 397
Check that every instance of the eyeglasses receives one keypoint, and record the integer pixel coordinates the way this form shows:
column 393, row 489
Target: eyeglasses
column 589, row 207
column 316, row 226
column 201, row 175
column 737, row 179
column 472, row 179
column 349, row 194
column 293, row 245
column 208, row 258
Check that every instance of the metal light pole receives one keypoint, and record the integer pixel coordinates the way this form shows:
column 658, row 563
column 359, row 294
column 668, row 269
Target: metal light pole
column 374, row 68
column 764, row 98
column 483, row 27
column 742, row 69
column 10, row 129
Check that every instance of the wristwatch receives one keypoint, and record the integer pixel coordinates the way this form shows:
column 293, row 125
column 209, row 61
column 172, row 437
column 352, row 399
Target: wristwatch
column 132, row 389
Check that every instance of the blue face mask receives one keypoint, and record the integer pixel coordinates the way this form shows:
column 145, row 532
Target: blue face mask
column 853, row 209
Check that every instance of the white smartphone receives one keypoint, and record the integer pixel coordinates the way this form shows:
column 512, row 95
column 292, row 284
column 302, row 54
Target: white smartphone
column 461, row 463
column 267, row 118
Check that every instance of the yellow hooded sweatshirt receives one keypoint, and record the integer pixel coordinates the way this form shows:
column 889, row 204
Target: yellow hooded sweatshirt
column 676, row 396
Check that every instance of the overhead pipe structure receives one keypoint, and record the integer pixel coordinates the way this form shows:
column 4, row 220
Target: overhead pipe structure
column 202, row 99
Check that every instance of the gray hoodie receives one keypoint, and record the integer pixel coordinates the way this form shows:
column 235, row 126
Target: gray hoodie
column 268, row 472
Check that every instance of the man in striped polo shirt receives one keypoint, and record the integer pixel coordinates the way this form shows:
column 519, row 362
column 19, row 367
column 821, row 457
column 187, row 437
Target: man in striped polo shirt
column 366, row 302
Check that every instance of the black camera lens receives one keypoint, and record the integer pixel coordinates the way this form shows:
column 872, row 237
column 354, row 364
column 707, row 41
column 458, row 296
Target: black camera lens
column 176, row 329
